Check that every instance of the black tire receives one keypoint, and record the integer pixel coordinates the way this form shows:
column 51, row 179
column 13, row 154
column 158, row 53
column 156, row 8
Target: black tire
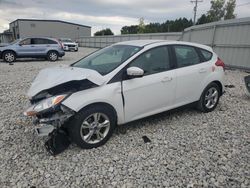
column 76, row 131
column 52, row 55
column 76, row 50
column 9, row 56
column 203, row 102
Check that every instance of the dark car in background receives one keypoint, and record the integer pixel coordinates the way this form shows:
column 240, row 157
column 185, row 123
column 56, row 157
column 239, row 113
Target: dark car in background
column 37, row 47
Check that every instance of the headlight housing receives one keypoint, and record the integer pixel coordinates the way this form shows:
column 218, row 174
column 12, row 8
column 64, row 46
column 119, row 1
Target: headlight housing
column 45, row 105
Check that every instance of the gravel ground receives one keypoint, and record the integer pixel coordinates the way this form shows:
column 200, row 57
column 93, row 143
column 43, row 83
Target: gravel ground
column 187, row 148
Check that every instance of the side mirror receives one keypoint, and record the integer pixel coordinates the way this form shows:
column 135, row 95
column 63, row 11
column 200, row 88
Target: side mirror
column 135, row 72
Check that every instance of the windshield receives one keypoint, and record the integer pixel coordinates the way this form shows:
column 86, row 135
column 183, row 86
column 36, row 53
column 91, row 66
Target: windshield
column 107, row 59
column 66, row 40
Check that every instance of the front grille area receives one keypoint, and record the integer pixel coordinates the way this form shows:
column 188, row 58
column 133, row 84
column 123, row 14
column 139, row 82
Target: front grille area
column 70, row 46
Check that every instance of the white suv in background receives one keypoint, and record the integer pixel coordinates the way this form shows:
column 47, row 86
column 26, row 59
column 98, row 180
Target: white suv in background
column 68, row 44
column 122, row 83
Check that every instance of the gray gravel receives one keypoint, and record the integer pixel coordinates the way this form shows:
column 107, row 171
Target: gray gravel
column 187, row 148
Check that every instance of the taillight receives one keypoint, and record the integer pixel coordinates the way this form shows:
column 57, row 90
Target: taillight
column 220, row 63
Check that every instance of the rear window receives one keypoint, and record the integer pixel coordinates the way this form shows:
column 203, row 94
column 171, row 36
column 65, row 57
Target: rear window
column 206, row 54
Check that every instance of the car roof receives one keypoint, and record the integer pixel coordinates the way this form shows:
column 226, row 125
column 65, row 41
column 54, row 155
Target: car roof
column 65, row 38
column 139, row 43
column 143, row 43
column 38, row 38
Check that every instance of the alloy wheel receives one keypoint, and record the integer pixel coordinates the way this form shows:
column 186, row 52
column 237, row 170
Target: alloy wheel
column 9, row 57
column 95, row 128
column 211, row 97
column 53, row 56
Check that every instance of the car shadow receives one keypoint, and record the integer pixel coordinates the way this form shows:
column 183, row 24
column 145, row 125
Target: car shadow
column 155, row 119
column 33, row 60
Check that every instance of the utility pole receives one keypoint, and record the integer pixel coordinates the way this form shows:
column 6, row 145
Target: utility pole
column 195, row 8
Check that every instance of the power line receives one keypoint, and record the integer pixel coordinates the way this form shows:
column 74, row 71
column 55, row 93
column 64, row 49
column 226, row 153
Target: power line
column 195, row 8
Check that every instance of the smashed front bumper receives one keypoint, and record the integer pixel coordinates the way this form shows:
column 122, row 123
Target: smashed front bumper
column 51, row 123
column 51, row 120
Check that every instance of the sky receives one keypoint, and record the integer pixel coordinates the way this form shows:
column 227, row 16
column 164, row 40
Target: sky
column 101, row 14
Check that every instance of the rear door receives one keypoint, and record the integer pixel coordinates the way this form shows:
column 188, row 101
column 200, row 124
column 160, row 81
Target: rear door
column 191, row 72
column 155, row 91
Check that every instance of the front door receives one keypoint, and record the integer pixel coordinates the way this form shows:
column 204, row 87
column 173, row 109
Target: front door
column 155, row 91
column 25, row 48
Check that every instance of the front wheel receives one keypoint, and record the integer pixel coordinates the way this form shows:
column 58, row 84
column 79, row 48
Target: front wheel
column 52, row 55
column 92, row 127
column 209, row 98
column 9, row 56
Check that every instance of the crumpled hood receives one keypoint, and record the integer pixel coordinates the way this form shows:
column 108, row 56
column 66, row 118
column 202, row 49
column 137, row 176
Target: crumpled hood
column 51, row 77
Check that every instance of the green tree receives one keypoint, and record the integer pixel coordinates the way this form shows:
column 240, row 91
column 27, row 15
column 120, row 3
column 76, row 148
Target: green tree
column 168, row 26
column 203, row 19
column 106, row 31
column 229, row 10
column 133, row 29
column 217, row 10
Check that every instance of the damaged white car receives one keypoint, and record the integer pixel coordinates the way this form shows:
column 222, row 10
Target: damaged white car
column 122, row 83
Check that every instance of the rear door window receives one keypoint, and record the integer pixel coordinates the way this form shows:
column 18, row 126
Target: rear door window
column 186, row 56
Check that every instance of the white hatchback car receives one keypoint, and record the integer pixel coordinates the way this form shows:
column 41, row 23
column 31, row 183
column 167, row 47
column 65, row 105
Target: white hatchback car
column 122, row 83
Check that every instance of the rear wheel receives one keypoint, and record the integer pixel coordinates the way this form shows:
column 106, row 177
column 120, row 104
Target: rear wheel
column 52, row 55
column 209, row 98
column 9, row 56
column 92, row 127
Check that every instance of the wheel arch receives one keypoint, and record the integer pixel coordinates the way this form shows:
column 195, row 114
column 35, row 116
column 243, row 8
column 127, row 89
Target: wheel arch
column 102, row 104
column 220, row 86
column 52, row 50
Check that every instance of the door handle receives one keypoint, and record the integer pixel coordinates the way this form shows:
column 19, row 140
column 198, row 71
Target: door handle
column 167, row 79
column 202, row 70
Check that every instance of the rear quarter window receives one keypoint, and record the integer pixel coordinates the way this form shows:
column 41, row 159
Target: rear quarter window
column 51, row 42
column 206, row 54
